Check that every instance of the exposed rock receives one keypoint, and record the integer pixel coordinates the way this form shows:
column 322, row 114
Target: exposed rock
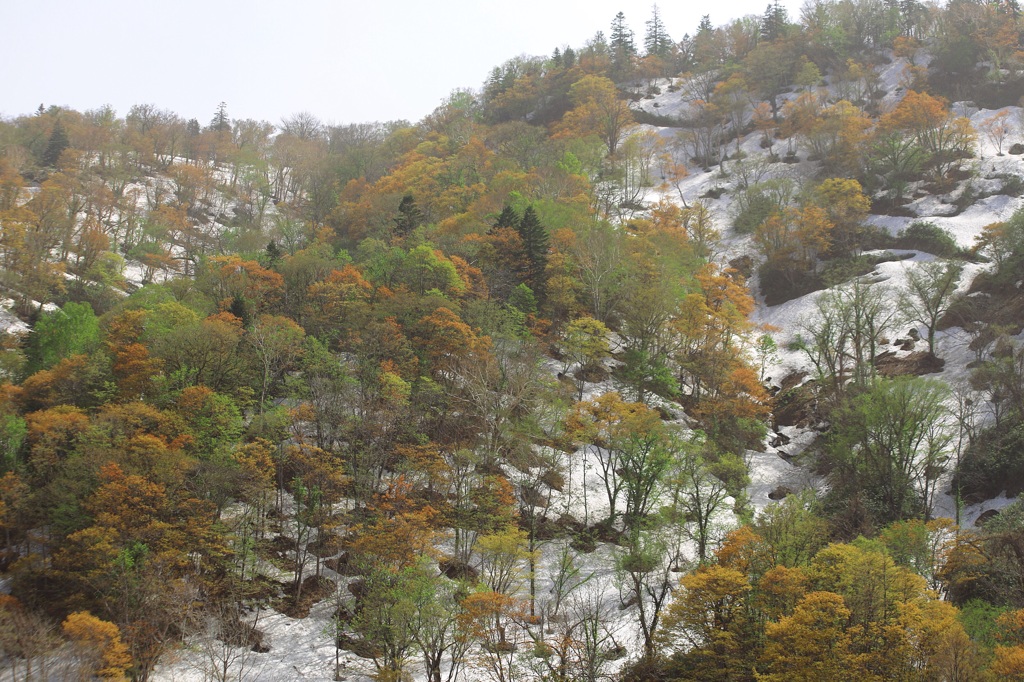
column 780, row 493
column 1017, row 148
column 780, row 440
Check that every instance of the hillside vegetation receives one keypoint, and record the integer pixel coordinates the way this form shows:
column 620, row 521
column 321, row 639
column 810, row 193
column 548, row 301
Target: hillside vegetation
column 505, row 393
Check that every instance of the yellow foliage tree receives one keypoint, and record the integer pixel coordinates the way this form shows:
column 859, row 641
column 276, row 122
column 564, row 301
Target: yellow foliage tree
column 597, row 111
column 98, row 645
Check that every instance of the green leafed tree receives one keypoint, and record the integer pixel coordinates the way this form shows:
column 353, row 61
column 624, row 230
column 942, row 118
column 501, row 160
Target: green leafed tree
column 72, row 330
column 890, row 445
column 929, row 294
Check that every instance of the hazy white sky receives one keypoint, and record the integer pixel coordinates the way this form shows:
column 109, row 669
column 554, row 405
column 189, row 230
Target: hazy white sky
column 341, row 60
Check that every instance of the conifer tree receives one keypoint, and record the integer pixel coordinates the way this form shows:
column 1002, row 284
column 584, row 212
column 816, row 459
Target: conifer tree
column 409, row 216
column 273, row 254
column 568, row 58
column 656, row 39
column 622, row 47
column 507, row 218
column 55, row 146
column 773, row 24
column 535, row 244
column 221, row 122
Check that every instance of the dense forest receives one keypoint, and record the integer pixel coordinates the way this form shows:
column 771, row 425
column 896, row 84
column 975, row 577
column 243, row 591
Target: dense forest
column 481, row 395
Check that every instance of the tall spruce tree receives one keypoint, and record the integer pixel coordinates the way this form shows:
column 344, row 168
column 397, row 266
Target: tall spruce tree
column 656, row 39
column 535, row 245
column 409, row 216
column 568, row 58
column 773, row 24
column 507, row 218
column 622, row 47
column 56, row 145
column 220, row 122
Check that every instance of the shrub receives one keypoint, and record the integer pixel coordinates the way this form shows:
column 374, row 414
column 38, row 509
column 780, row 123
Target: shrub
column 756, row 203
column 926, row 236
column 993, row 463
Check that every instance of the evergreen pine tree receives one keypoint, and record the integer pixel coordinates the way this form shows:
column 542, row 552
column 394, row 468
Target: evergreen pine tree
column 409, row 216
column 55, row 146
column 622, row 47
column 773, row 24
column 507, row 218
column 705, row 25
column 273, row 254
column 240, row 309
column 656, row 39
column 568, row 58
column 535, row 245
column 221, row 122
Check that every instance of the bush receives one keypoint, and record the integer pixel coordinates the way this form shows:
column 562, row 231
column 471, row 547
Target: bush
column 925, row 236
column 993, row 463
column 757, row 202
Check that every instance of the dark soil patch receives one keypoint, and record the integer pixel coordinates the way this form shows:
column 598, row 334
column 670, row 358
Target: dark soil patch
column 993, row 302
column 262, row 589
column 921, row 362
column 458, row 570
column 606, row 532
column 584, row 542
column 326, row 545
column 553, row 480
column 314, row 589
column 592, row 373
column 344, row 565
column 278, row 550
column 743, row 265
column 893, row 207
column 986, row 516
column 779, row 285
column 360, row 647
column 532, row 497
column 240, row 634
column 796, row 406
column 569, row 523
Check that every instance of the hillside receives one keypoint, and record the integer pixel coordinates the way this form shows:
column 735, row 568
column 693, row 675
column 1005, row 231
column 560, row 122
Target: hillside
column 703, row 363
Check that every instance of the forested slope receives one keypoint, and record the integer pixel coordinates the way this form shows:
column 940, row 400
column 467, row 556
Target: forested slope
column 502, row 394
